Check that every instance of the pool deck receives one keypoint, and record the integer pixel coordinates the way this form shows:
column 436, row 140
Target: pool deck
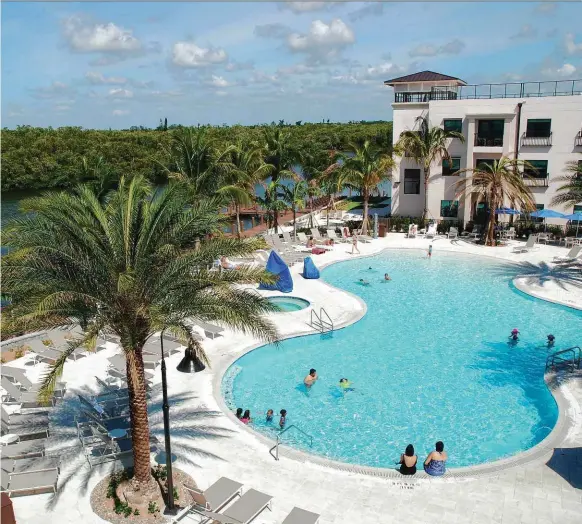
column 525, row 491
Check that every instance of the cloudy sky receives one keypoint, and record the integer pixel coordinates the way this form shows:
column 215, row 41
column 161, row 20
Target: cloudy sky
column 102, row 65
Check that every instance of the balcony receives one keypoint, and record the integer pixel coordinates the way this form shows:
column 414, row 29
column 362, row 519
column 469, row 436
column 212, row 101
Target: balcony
column 540, row 141
column 538, row 180
column 484, row 141
column 578, row 139
column 423, row 96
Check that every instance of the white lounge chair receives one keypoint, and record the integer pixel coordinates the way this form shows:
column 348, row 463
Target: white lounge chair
column 245, row 509
column 529, row 245
column 26, row 448
column 301, row 516
column 15, row 395
column 213, row 498
column 296, row 246
column 431, row 231
column 453, row 233
column 210, row 330
column 27, row 464
column 17, row 375
column 571, row 256
column 18, row 419
column 30, row 482
column 332, row 235
column 411, row 231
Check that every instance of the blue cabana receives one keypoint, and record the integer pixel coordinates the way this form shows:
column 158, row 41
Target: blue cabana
column 276, row 266
column 310, row 269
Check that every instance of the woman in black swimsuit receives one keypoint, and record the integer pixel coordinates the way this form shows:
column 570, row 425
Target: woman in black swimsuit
column 408, row 461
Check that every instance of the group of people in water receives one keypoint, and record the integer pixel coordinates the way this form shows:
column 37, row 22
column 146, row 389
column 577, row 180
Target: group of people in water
column 245, row 417
column 514, row 339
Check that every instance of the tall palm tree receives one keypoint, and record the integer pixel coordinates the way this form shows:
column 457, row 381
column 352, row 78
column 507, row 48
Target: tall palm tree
column 363, row 168
column 132, row 267
column 495, row 184
column 246, row 168
column 316, row 164
column 98, row 174
column 570, row 193
column 427, row 145
column 282, row 156
column 294, row 196
column 193, row 158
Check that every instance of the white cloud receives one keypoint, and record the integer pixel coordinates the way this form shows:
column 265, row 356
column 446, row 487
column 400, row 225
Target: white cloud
column 188, row 54
column 55, row 90
column 322, row 39
column 239, row 66
column 526, row 31
column 120, row 112
column 260, row 77
column 563, row 71
column 572, row 48
column 219, row 81
column 454, row 47
column 386, row 68
column 99, row 79
column 120, row 93
column 89, row 37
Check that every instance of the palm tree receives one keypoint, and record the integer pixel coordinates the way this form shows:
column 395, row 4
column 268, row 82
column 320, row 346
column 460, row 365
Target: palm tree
column 427, row 145
column 570, row 193
column 495, row 184
column 316, row 164
column 246, row 168
column 282, row 156
column 294, row 196
column 98, row 174
column 195, row 160
column 363, row 168
column 131, row 265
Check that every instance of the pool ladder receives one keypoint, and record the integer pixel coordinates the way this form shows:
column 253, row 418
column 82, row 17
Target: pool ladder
column 276, row 446
column 569, row 357
column 322, row 322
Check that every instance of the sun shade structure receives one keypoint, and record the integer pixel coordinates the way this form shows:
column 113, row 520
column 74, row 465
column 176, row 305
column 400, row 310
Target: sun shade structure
column 577, row 217
column 507, row 211
column 276, row 266
column 310, row 270
column 546, row 213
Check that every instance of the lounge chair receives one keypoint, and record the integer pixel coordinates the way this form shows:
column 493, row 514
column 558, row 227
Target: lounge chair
column 30, row 482
column 529, row 245
column 60, row 343
column 210, row 330
column 301, row 516
column 23, row 419
column 411, row 231
column 287, row 252
column 213, row 498
column 509, row 234
column 106, row 409
column 316, row 234
column 149, row 361
column 245, row 509
column 25, row 429
column 103, row 447
column 453, row 233
column 153, row 347
column 571, row 256
column 28, row 399
column 431, row 231
column 332, row 235
column 27, row 464
column 18, row 375
column 42, row 352
column 297, row 246
column 26, row 448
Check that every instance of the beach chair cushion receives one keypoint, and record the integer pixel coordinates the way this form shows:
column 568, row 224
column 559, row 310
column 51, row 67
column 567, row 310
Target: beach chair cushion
column 301, row 516
column 248, row 506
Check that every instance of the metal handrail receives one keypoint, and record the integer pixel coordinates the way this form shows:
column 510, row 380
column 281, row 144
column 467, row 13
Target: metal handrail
column 575, row 351
column 276, row 446
column 317, row 324
column 329, row 323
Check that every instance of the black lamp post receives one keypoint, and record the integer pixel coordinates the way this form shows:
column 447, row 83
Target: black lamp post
column 166, row 409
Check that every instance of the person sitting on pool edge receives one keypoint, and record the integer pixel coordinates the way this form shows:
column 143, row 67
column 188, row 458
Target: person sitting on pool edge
column 434, row 464
column 408, row 461
column 310, row 379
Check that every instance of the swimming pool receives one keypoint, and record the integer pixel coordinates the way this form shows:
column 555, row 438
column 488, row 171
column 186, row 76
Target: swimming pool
column 429, row 361
column 289, row 304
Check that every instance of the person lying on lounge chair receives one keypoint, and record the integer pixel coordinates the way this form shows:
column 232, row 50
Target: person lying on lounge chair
column 227, row 264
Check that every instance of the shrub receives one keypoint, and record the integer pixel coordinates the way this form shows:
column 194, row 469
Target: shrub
column 153, row 507
column 19, row 351
column 160, row 473
column 176, row 495
column 2, row 360
column 136, row 512
column 46, row 342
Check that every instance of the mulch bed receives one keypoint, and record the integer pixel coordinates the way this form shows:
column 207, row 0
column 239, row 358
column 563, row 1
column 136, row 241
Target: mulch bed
column 105, row 507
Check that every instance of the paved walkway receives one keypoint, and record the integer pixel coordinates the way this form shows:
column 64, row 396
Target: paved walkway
column 531, row 493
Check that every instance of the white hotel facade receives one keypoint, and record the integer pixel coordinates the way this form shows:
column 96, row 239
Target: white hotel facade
column 540, row 122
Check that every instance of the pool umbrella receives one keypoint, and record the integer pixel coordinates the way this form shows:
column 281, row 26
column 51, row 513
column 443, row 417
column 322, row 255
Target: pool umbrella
column 375, row 225
column 507, row 211
column 546, row 213
column 575, row 216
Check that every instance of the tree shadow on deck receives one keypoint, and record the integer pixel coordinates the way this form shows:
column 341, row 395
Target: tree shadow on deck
column 562, row 274
column 567, row 462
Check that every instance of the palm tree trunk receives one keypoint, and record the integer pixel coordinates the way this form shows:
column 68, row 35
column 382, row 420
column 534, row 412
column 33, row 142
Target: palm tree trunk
column 365, row 213
column 237, row 211
column 490, row 241
column 140, row 430
column 425, row 210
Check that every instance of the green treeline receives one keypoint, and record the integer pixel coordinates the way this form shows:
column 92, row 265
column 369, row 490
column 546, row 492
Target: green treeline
column 41, row 158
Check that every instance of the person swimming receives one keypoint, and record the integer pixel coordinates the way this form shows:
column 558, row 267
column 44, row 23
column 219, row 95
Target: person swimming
column 246, row 418
column 310, row 379
column 429, row 254
column 551, row 341
column 283, row 419
column 364, row 282
column 514, row 334
column 269, row 417
column 239, row 412
column 387, row 277
column 345, row 384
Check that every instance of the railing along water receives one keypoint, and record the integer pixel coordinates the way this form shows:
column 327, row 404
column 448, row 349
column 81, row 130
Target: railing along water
column 276, row 446
column 569, row 357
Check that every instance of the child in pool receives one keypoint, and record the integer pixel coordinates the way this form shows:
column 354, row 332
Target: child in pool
column 239, row 412
column 270, row 415
column 551, row 341
column 283, row 419
column 246, row 418
column 514, row 335
column 364, row 282
column 387, row 277
column 345, row 384
column 429, row 254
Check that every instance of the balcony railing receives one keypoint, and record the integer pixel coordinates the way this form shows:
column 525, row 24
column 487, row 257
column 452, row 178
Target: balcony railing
column 481, row 141
column 578, row 139
column 536, row 180
column 529, row 140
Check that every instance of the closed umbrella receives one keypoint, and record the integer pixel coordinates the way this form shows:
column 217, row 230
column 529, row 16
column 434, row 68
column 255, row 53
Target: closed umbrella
column 375, row 225
column 577, row 217
column 546, row 213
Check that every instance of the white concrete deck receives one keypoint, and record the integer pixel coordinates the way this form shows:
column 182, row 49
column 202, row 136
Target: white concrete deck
column 530, row 493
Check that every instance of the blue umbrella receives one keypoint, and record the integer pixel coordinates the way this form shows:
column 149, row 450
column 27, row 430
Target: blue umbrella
column 507, row 211
column 575, row 216
column 546, row 213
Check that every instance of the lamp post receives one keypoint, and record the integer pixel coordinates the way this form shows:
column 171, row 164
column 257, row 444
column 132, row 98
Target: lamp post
column 166, row 409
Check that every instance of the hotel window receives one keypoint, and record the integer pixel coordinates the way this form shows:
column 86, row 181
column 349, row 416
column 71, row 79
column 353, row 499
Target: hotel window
column 490, row 133
column 480, row 163
column 538, row 127
column 539, row 207
column 538, row 169
column 412, row 181
column 451, row 168
column 577, row 209
column 449, row 208
column 453, row 124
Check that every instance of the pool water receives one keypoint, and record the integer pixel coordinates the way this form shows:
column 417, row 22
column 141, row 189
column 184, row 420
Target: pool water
column 429, row 361
column 289, row 304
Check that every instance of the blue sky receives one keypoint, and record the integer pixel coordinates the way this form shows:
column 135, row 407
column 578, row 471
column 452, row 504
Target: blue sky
column 101, row 65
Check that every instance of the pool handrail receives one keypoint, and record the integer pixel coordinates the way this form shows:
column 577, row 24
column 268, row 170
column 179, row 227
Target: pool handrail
column 557, row 357
column 276, row 446
column 320, row 323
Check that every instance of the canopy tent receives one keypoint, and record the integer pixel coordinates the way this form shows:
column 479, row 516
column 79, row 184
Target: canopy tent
column 310, row 270
column 276, row 266
column 546, row 213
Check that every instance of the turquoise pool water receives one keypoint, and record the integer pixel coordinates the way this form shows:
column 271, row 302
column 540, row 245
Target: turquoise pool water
column 289, row 304
column 429, row 361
